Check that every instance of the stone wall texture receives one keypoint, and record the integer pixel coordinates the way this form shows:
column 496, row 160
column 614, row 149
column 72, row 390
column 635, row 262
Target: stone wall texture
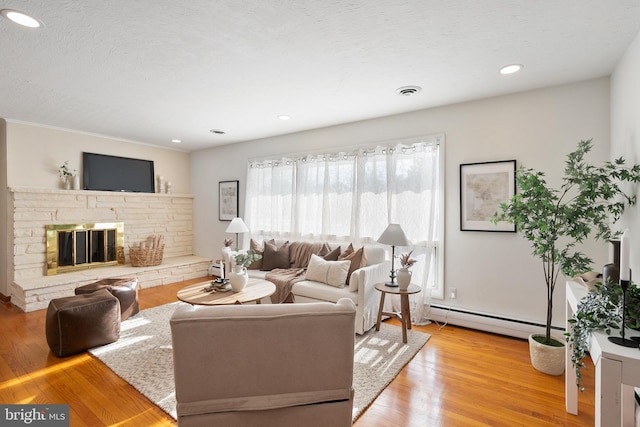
column 143, row 215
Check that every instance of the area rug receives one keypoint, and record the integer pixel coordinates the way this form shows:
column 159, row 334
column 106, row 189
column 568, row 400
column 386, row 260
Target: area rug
column 143, row 358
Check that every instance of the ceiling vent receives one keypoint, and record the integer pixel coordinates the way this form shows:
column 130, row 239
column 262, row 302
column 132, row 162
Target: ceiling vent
column 408, row 90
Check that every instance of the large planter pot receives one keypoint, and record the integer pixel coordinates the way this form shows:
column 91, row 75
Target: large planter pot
column 238, row 278
column 547, row 359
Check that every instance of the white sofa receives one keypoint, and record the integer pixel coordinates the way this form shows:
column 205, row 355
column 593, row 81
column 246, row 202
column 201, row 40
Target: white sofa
column 361, row 288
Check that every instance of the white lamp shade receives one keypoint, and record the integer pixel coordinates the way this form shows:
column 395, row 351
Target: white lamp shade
column 393, row 236
column 237, row 226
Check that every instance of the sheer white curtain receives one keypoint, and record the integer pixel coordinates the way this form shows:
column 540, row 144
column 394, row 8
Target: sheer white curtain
column 270, row 198
column 352, row 197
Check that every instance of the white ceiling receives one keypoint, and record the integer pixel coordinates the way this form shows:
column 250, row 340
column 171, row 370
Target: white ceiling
column 153, row 70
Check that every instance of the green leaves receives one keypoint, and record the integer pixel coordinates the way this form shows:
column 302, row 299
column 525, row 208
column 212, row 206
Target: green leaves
column 555, row 221
column 245, row 259
column 600, row 310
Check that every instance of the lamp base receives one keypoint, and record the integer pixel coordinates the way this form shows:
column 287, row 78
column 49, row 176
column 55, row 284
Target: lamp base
column 391, row 284
column 624, row 342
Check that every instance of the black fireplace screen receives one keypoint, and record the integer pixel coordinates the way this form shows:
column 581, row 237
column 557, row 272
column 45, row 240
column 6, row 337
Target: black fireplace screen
column 86, row 246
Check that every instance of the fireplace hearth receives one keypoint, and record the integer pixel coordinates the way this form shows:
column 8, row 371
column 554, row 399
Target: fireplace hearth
column 72, row 247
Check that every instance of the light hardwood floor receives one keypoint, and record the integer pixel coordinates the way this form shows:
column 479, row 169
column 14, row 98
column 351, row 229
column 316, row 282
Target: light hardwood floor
column 460, row 377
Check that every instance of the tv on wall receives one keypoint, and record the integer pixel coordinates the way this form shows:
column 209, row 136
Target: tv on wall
column 112, row 173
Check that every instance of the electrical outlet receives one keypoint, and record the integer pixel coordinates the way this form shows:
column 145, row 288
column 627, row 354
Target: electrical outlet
column 453, row 293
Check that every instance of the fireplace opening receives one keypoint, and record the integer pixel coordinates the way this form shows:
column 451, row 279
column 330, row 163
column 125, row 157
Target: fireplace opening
column 72, row 247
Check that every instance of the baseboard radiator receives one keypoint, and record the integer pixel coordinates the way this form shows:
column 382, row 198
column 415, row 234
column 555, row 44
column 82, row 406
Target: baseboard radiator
column 490, row 322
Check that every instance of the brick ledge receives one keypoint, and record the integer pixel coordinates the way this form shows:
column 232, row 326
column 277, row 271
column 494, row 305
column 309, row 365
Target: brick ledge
column 35, row 293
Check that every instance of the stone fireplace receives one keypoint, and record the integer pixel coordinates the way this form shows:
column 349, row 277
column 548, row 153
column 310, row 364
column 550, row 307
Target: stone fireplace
column 33, row 211
column 73, row 247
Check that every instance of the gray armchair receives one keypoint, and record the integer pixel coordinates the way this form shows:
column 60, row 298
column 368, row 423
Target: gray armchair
column 264, row 364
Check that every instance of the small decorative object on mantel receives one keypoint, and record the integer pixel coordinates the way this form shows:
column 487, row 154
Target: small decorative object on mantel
column 160, row 184
column 404, row 274
column 147, row 253
column 68, row 177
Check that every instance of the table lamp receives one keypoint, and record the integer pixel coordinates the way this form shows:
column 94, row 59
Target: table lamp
column 237, row 226
column 393, row 236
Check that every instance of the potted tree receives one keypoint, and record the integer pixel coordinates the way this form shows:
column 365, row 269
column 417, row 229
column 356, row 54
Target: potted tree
column 589, row 201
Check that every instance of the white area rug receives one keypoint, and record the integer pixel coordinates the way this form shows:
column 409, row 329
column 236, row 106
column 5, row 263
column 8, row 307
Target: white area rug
column 143, row 358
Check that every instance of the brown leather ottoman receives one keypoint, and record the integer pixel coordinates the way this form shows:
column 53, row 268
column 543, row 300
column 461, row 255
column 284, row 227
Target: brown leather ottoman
column 80, row 322
column 126, row 290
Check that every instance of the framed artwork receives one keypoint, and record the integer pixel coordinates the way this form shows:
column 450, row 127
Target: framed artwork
column 228, row 200
column 483, row 186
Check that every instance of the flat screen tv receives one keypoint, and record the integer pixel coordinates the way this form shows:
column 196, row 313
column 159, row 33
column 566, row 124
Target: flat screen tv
column 111, row 173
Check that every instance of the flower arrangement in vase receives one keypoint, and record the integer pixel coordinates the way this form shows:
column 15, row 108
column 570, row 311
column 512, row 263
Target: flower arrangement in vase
column 66, row 176
column 238, row 278
column 404, row 274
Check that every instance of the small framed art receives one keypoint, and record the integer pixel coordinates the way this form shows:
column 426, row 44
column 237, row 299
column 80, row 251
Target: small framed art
column 483, row 187
column 228, row 200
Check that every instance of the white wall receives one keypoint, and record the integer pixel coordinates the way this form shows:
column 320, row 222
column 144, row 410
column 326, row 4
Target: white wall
column 36, row 152
column 5, row 229
column 625, row 132
column 494, row 272
column 30, row 156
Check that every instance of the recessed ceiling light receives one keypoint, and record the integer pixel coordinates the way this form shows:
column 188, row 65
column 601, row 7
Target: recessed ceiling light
column 511, row 68
column 408, row 90
column 284, row 117
column 20, row 18
column 176, row 141
column 217, row 131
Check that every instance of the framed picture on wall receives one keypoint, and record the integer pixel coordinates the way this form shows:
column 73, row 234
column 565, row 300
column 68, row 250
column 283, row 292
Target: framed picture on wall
column 483, row 187
column 228, row 205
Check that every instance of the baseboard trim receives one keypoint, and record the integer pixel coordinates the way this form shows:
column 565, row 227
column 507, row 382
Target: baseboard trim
column 489, row 322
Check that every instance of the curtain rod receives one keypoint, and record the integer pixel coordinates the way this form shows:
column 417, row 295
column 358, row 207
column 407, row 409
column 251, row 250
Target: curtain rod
column 438, row 138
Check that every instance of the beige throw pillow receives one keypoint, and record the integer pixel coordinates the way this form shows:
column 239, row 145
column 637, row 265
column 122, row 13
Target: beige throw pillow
column 332, row 273
column 257, row 248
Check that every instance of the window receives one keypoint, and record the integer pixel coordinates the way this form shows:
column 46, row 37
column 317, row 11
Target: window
column 352, row 197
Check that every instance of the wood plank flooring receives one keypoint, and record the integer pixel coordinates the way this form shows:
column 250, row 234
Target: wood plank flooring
column 460, row 377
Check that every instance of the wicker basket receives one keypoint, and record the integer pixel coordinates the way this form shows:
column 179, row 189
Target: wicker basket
column 145, row 257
